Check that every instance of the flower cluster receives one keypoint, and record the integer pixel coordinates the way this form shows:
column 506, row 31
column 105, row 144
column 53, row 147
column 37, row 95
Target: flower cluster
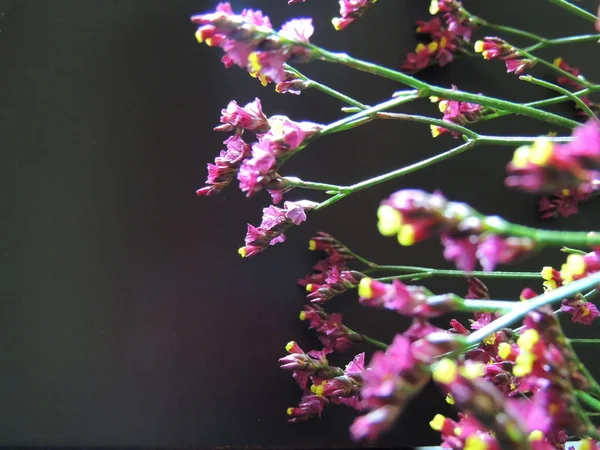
column 274, row 223
column 332, row 276
column 330, row 384
column 395, row 376
column 574, row 86
column 256, row 164
column 250, row 42
column 460, row 113
column 332, row 333
column 546, row 166
column 496, row 48
column 414, row 216
column 412, row 301
column 446, row 35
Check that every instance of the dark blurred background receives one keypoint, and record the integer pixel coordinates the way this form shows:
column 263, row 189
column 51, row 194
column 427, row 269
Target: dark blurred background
column 127, row 316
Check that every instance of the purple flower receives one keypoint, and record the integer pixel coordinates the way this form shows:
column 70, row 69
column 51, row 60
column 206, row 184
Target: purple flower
column 371, row 425
column 310, row 406
column 580, row 311
column 275, row 222
column 226, row 165
column 500, row 250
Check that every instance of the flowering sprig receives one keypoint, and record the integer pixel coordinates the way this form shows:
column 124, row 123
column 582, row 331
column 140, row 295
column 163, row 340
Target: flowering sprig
column 487, row 368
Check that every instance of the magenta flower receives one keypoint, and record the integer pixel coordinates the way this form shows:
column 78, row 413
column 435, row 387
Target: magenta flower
column 461, row 250
column 304, row 365
column 226, row 165
column 275, row 222
column 495, row 250
column 250, row 42
column 574, row 86
column 332, row 333
column 460, row 113
column 580, row 311
column 545, row 166
column 250, row 117
column 310, row 406
column 372, row 424
column 565, row 202
column 272, row 148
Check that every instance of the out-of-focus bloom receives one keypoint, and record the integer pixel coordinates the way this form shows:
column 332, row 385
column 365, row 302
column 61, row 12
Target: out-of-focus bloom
column 250, row 41
column 412, row 301
column 579, row 266
column 274, row 223
column 350, row 10
column 414, row 216
column 545, row 166
column 223, row 171
column 496, row 48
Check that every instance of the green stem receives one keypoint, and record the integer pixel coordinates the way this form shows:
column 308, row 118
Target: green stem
column 375, row 342
column 575, row 10
column 523, row 308
column 563, row 91
column 565, row 40
column 426, row 89
column 413, row 167
column 584, row 341
column 325, row 89
column 341, row 124
column 498, row 225
column 572, row 250
column 547, row 102
column 461, row 273
column 589, row 400
column 297, row 182
column 469, row 305
column 511, row 30
column 554, row 68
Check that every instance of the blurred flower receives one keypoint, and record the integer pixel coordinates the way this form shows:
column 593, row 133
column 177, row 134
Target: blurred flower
column 350, row 10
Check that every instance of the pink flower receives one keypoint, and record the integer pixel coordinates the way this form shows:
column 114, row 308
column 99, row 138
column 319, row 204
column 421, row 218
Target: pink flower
column 275, row 222
column 250, row 117
column 310, row 406
column 495, row 250
column 461, row 250
column 332, row 333
column 250, row 42
column 226, row 165
column 350, row 10
column 304, row 365
column 371, row 425
column 460, row 113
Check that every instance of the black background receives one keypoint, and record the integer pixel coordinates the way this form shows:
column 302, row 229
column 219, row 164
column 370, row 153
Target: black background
column 127, row 316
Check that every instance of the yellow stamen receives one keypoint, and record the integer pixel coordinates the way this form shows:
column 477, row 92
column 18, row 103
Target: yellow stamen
column 312, row 245
column 557, row 62
column 478, row 47
column 243, row 252
column 434, row 98
column 437, row 422
column 434, row 7
column 406, row 235
column 435, row 130
column 432, row 47
column 364, row 288
column 443, row 106
column 536, row 435
column 450, row 399
column 472, row 370
column 289, row 411
column 302, row 315
column 524, row 364
column 420, row 47
column 289, row 346
column 390, row 220
column 547, row 273
column 443, row 42
column 474, row 442
column 521, row 156
column 566, row 192
column 504, row 350
column 528, row 339
column 445, row 371
column 541, row 151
